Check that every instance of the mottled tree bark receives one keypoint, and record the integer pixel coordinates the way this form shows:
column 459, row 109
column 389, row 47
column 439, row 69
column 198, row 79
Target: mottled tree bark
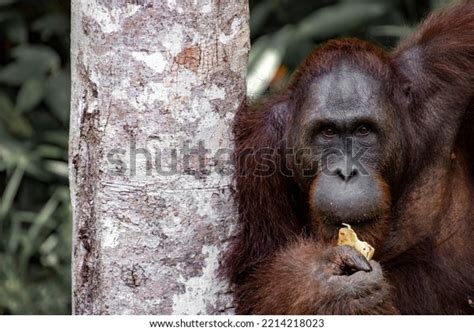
column 154, row 83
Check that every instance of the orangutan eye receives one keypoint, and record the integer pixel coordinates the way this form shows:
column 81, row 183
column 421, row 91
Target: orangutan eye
column 363, row 130
column 328, row 132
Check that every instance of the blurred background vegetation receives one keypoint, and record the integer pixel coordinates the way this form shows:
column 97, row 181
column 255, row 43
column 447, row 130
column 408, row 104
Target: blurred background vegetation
column 35, row 212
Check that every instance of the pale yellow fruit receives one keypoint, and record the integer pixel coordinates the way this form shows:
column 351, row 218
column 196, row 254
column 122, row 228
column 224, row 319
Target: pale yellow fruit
column 347, row 236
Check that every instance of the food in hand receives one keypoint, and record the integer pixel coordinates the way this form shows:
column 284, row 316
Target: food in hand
column 347, row 236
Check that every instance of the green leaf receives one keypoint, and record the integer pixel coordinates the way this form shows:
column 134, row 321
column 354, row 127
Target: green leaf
column 54, row 24
column 45, row 57
column 10, row 191
column 30, row 62
column 390, row 31
column 260, row 14
column 17, row 32
column 13, row 26
column 30, row 95
column 47, row 151
column 340, row 19
column 57, row 168
column 58, row 95
column 60, row 138
column 6, row 106
column 14, row 74
column 12, row 120
column 33, row 240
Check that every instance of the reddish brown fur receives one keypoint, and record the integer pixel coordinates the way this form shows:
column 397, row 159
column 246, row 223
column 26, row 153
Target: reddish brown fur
column 296, row 289
column 427, row 252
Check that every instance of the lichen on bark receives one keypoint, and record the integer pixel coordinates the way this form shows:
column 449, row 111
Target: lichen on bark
column 150, row 77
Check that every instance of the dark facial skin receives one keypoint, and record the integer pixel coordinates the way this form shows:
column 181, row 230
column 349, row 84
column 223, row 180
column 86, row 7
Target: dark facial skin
column 343, row 121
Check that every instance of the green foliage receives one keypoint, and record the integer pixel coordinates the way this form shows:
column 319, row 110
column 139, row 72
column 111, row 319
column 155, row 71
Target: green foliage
column 35, row 211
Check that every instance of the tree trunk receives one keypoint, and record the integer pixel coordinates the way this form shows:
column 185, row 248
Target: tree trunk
column 155, row 85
